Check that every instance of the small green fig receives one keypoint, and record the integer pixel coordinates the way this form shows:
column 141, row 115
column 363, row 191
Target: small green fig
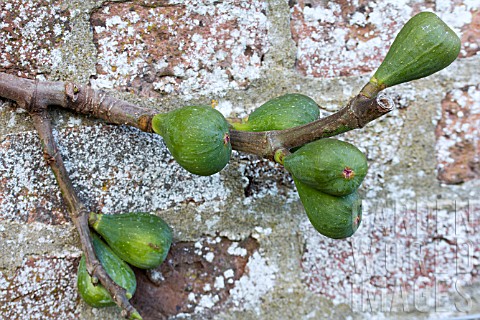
column 332, row 166
column 96, row 295
column 334, row 217
column 287, row 111
column 197, row 137
column 141, row 239
column 423, row 46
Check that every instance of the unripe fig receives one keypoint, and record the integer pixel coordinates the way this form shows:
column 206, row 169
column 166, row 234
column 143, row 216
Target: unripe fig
column 197, row 137
column 287, row 111
column 141, row 239
column 95, row 294
column 332, row 166
column 334, row 217
column 423, row 46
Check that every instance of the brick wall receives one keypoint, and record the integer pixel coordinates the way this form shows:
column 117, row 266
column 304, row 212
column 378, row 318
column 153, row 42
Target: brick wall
column 243, row 246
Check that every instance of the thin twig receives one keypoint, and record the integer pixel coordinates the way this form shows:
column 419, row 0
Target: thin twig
column 359, row 111
column 77, row 210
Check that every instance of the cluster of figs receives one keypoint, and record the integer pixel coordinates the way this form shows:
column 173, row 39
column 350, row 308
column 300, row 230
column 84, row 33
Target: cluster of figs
column 327, row 172
column 133, row 239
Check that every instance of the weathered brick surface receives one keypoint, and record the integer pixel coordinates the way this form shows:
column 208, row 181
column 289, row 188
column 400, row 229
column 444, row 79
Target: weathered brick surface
column 185, row 47
column 44, row 287
column 31, row 33
column 458, row 136
column 344, row 38
column 471, row 36
column 126, row 164
column 409, row 248
column 196, row 277
column 28, row 191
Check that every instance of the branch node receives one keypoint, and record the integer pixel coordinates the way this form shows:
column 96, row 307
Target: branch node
column 385, row 103
column 35, row 106
column 49, row 159
column 72, row 91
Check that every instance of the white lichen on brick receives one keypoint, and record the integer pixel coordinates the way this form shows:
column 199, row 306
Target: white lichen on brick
column 458, row 136
column 451, row 133
column 235, row 250
column 206, row 302
column 42, row 288
column 219, row 282
column 412, row 244
column 229, row 109
column 114, row 169
column 336, row 39
column 214, row 57
column 209, row 256
column 248, row 291
column 228, row 273
column 29, row 34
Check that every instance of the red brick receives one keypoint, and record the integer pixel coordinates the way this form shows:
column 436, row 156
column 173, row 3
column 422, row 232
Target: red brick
column 193, row 47
column 186, row 282
column 345, row 38
column 30, row 34
column 471, row 36
column 42, row 288
column 458, row 136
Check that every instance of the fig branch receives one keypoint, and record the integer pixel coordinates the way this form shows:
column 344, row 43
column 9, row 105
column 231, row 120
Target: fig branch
column 356, row 114
column 35, row 96
column 82, row 99
column 201, row 140
column 35, row 103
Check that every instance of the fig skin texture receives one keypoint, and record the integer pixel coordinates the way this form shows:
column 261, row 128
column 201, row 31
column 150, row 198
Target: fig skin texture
column 197, row 137
column 141, row 239
column 332, row 166
column 96, row 295
column 280, row 113
column 334, row 217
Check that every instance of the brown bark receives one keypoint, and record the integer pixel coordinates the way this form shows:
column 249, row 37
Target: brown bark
column 35, row 97
column 82, row 99
column 358, row 112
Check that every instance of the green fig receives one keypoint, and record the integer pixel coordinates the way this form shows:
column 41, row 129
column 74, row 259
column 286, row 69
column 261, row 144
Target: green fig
column 197, row 137
column 334, row 217
column 95, row 294
column 141, row 239
column 287, row 111
column 423, row 46
column 332, row 166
